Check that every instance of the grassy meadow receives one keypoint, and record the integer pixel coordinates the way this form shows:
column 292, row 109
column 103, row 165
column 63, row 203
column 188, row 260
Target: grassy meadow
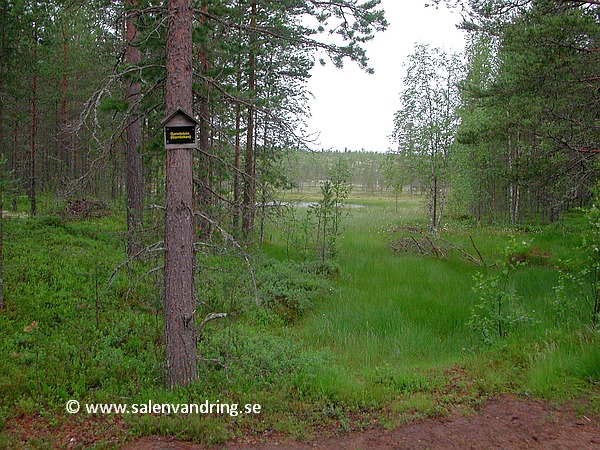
column 384, row 337
column 400, row 320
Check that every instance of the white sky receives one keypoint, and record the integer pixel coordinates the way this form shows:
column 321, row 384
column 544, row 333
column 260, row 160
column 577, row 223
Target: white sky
column 355, row 110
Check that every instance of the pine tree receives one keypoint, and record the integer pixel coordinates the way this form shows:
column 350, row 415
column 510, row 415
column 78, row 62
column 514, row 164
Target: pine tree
column 179, row 303
column 133, row 134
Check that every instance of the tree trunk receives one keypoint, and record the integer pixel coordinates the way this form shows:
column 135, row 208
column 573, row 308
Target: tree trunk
column 33, row 129
column 2, row 189
column 3, row 166
column 433, row 192
column 179, row 303
column 236, row 163
column 133, row 159
column 204, row 195
column 15, row 165
column 3, row 77
column 249, row 175
column 442, row 188
column 513, row 189
column 66, row 139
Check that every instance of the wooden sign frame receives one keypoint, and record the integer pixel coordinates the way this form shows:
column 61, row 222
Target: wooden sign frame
column 180, row 130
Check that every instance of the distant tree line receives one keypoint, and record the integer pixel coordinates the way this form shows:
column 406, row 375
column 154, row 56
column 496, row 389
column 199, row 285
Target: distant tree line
column 368, row 171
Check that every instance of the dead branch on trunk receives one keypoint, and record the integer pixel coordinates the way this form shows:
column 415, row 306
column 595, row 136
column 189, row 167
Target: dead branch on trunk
column 208, row 318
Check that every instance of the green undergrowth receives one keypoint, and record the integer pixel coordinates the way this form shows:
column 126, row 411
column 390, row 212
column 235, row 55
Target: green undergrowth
column 81, row 323
column 384, row 338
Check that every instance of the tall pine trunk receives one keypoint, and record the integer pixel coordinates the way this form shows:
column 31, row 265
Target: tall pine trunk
column 179, row 304
column 2, row 190
column 66, row 139
column 236, row 162
column 133, row 159
column 3, row 181
column 249, row 175
column 33, row 128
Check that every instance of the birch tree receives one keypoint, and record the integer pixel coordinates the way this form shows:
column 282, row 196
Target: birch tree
column 427, row 120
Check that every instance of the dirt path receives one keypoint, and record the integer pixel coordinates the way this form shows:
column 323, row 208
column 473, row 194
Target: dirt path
column 504, row 423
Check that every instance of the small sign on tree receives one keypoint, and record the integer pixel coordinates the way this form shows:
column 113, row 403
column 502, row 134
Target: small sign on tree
column 180, row 130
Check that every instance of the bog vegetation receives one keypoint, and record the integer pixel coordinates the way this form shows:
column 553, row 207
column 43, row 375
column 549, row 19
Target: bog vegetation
column 336, row 289
column 371, row 334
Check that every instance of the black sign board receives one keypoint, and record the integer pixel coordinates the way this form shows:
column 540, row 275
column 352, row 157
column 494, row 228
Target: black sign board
column 180, row 135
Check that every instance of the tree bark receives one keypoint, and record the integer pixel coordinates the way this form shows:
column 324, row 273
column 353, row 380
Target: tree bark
column 179, row 302
column 3, row 73
column 3, row 80
column 513, row 188
column 204, row 195
column 236, row 170
column 236, row 163
column 249, row 175
column 133, row 135
column 2, row 189
column 66, row 139
column 33, row 129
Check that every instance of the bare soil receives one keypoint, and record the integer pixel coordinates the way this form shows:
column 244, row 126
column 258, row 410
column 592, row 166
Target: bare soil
column 504, row 422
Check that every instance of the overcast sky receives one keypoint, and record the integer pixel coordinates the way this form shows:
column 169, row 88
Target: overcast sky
column 355, row 110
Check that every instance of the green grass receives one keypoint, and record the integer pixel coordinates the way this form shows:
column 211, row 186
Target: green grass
column 391, row 311
column 409, row 313
column 385, row 334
